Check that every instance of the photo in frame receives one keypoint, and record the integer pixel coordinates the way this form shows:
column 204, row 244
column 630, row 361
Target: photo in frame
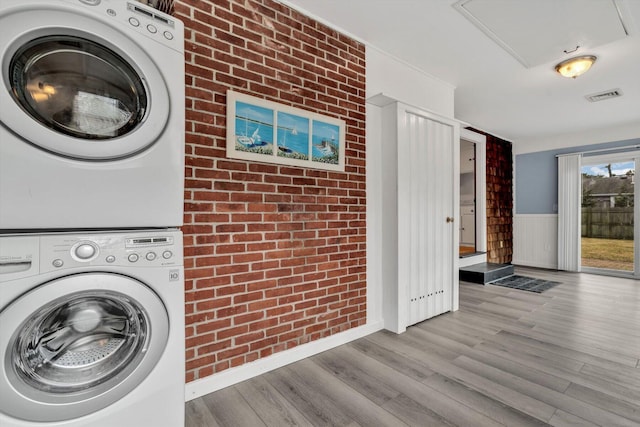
column 267, row 131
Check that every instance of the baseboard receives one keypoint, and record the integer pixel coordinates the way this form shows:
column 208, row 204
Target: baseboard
column 233, row 376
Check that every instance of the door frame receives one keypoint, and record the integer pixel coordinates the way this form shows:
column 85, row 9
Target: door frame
column 480, row 142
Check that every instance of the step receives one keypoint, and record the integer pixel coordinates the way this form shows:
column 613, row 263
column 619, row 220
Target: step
column 485, row 272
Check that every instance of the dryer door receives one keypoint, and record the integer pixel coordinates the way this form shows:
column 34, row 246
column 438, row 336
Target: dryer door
column 79, row 88
column 80, row 343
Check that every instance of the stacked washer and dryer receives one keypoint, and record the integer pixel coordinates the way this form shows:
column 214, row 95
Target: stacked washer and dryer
column 91, row 195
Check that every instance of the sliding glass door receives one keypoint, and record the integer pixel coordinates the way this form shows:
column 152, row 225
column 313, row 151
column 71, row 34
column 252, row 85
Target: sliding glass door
column 609, row 236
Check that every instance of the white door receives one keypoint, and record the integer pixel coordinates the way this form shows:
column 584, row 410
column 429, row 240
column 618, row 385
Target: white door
column 77, row 344
column 428, row 152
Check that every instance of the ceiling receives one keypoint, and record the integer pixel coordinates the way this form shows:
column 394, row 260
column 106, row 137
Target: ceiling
column 509, row 89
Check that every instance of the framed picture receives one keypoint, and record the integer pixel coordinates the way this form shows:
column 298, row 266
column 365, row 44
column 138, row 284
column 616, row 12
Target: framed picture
column 267, row 131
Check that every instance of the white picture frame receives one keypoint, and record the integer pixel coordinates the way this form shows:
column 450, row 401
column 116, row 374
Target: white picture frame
column 267, row 131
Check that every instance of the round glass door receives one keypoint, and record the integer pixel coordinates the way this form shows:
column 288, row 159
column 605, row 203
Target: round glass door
column 81, row 88
column 79, row 344
column 80, row 341
column 77, row 87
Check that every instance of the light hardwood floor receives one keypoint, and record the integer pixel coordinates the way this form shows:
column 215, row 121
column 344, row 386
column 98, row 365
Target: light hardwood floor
column 569, row 356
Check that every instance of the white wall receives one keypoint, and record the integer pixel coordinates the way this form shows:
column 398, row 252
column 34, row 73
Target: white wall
column 555, row 142
column 397, row 80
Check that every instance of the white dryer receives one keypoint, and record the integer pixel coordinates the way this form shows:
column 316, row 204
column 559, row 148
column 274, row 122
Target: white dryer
column 92, row 117
column 92, row 329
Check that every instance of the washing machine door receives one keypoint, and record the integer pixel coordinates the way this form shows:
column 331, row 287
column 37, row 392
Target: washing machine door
column 80, row 343
column 79, row 88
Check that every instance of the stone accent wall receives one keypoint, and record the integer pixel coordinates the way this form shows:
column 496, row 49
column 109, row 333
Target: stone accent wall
column 275, row 256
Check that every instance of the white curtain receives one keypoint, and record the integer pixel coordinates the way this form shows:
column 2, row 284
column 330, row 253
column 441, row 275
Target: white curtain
column 569, row 212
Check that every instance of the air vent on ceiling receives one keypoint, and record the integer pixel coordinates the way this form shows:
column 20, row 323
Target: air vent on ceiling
column 601, row 96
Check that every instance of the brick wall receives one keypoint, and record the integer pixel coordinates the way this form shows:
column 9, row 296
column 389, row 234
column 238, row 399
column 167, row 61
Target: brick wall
column 274, row 255
column 499, row 199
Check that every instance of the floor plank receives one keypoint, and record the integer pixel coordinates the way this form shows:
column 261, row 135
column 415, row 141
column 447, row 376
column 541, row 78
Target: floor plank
column 271, row 406
column 567, row 357
column 229, row 409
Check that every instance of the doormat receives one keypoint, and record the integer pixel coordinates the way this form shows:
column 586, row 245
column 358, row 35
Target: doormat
column 524, row 283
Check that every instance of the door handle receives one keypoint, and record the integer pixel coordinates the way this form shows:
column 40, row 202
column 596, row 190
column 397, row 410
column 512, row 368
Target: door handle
column 449, row 219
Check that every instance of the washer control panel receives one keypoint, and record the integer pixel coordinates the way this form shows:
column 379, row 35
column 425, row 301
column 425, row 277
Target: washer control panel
column 139, row 249
column 142, row 18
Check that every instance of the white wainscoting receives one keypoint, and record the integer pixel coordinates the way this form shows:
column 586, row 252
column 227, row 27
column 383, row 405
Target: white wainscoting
column 535, row 240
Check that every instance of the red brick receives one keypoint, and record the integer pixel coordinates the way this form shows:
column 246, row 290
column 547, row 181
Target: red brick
column 253, row 296
column 231, row 311
column 263, row 304
column 226, row 354
column 303, row 228
column 263, row 343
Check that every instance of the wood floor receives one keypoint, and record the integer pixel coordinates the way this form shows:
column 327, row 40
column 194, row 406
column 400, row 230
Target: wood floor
column 567, row 357
column 466, row 250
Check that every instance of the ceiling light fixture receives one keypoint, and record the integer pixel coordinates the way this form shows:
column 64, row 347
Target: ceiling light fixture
column 573, row 67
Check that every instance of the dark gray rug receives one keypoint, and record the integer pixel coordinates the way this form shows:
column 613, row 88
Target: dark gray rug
column 524, row 283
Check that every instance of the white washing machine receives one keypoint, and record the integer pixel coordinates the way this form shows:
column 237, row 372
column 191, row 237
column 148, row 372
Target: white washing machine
column 92, row 117
column 92, row 329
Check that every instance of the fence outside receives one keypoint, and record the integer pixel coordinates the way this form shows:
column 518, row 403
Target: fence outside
column 607, row 223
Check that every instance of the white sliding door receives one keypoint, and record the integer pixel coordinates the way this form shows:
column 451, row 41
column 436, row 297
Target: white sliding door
column 609, row 236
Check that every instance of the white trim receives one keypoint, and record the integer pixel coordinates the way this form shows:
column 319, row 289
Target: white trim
column 481, row 186
column 244, row 372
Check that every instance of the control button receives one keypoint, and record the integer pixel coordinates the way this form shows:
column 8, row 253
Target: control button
column 168, row 35
column 111, row 12
column 133, row 257
column 134, row 22
column 57, row 262
column 150, row 256
column 110, row 259
column 85, row 251
column 152, row 29
column 167, row 254
column 91, row 2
